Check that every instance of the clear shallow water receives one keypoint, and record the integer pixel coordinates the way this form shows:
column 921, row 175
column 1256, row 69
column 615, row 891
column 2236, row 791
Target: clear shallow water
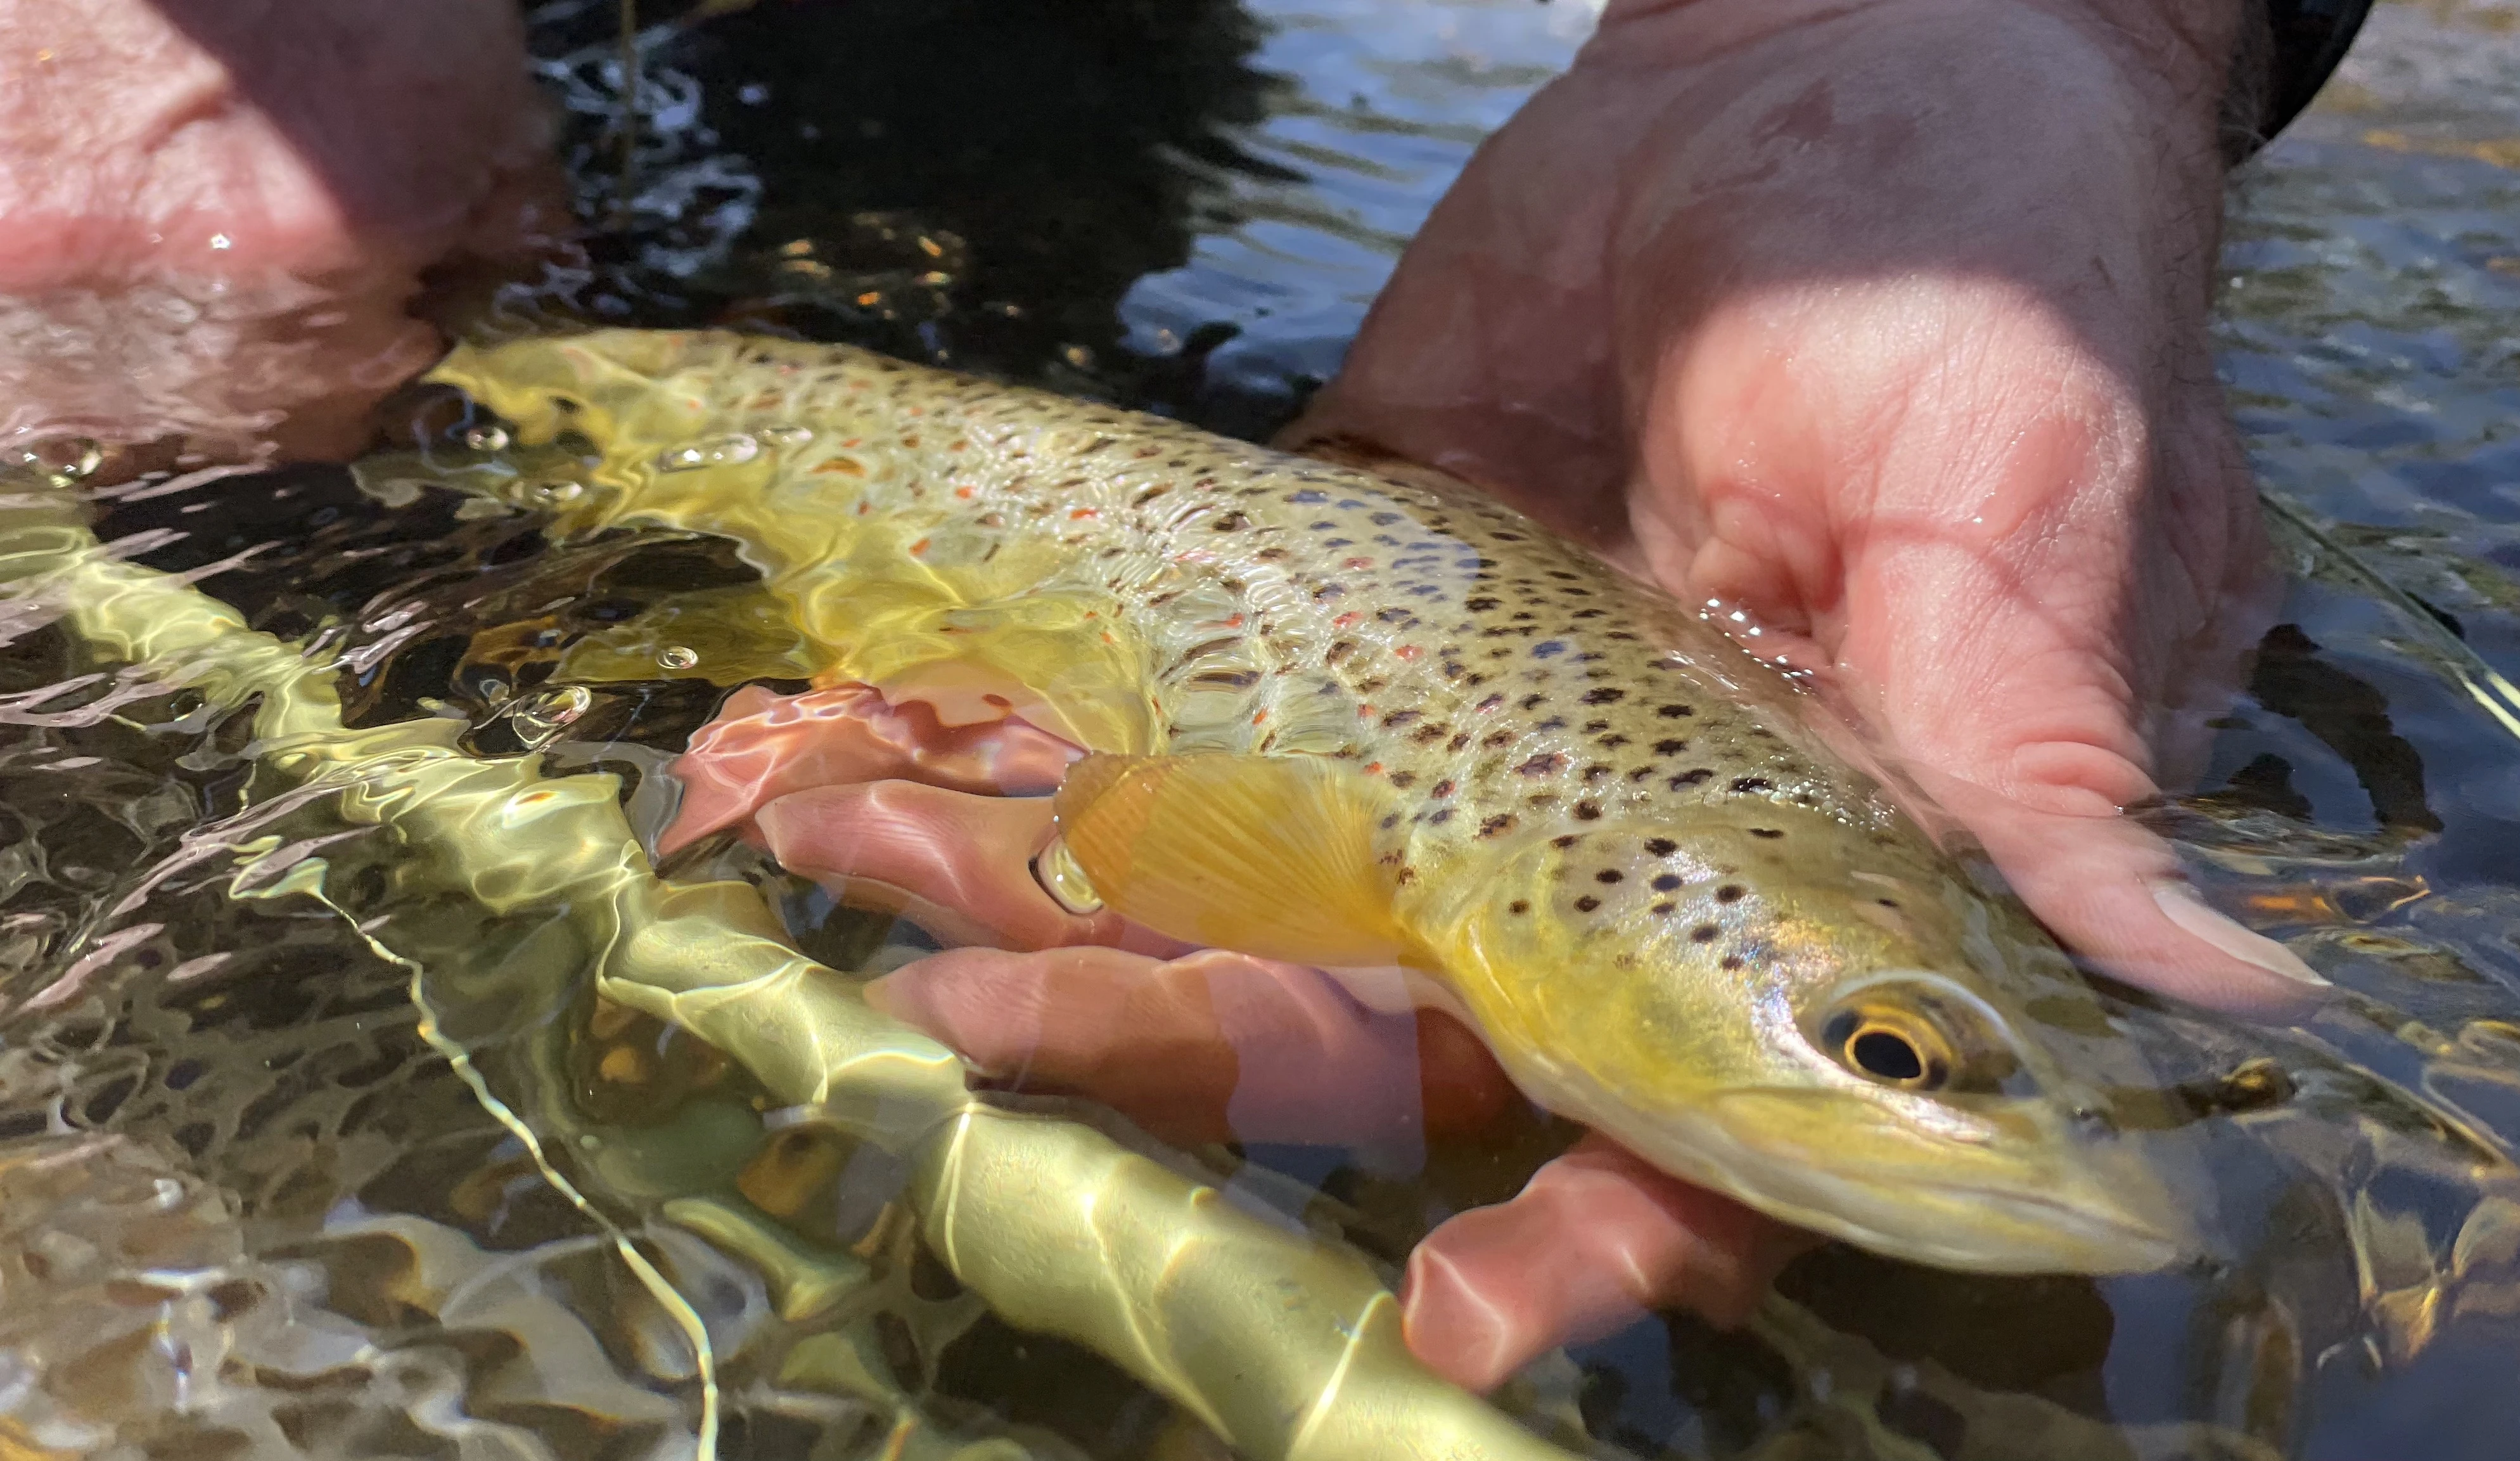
column 248, row 1209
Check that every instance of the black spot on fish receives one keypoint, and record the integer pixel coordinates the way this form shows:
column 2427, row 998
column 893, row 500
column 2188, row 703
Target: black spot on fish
column 1596, row 772
column 1587, row 903
column 1547, row 763
column 1675, row 711
column 1609, row 875
column 1730, row 893
column 1568, row 840
column 1442, row 815
column 1547, row 649
column 1607, row 694
column 1444, row 789
column 1767, row 832
column 1308, row 496
column 1479, row 605
column 1404, row 779
column 1748, row 784
column 1887, row 903
column 1663, row 910
column 1730, row 962
column 1489, row 703
column 1230, row 679
column 1692, row 778
column 1611, row 742
column 1533, row 702
column 1706, row 932
column 1670, row 747
column 1586, row 811
column 1665, row 882
column 1401, row 717
column 1231, row 522
column 1494, row 739
column 1519, row 905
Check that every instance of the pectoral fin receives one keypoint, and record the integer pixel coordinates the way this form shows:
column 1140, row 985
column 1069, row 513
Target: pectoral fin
column 1267, row 855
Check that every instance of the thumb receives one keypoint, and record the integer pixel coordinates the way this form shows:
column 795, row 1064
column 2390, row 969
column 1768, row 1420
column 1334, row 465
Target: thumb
column 2114, row 893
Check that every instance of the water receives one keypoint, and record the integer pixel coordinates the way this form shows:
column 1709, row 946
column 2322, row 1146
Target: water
column 249, row 1208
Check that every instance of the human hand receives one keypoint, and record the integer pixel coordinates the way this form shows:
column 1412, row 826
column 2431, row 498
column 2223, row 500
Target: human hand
column 906, row 807
column 219, row 213
column 1886, row 325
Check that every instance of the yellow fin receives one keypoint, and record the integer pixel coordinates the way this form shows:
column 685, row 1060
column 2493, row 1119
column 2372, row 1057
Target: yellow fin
column 1266, row 855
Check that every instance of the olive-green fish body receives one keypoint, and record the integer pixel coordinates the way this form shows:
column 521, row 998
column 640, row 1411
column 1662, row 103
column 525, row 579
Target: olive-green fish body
column 1366, row 722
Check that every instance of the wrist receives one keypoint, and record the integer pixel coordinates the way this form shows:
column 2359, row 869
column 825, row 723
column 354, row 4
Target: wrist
column 2188, row 46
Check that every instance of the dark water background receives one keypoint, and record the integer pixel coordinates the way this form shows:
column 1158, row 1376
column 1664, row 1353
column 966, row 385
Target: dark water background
column 244, row 1209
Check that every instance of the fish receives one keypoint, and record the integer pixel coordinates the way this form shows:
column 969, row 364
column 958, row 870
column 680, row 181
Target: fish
column 1369, row 720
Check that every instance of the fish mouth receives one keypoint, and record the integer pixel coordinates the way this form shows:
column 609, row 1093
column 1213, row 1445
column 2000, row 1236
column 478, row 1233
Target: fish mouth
column 2075, row 1208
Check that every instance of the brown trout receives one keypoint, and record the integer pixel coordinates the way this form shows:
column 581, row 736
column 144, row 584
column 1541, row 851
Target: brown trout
column 1376, row 724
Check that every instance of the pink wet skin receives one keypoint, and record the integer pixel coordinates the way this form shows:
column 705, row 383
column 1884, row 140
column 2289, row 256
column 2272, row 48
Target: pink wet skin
column 898, row 807
column 217, row 212
column 1881, row 319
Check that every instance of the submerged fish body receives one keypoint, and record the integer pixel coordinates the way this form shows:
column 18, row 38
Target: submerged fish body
column 1364, row 723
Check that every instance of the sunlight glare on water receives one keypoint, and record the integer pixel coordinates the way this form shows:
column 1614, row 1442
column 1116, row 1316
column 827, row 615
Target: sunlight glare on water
column 248, row 1208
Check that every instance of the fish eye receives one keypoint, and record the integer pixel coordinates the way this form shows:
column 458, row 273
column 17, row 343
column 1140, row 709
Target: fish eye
column 1890, row 1046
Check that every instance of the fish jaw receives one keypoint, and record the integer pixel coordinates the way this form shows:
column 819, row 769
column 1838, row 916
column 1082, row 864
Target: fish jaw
column 2013, row 1192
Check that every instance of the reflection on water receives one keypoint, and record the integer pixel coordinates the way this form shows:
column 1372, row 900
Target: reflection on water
column 247, row 1208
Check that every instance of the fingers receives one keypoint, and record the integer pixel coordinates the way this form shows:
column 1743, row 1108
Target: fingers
column 1596, row 1237
column 954, row 864
column 2114, row 893
column 764, row 746
column 1211, row 1046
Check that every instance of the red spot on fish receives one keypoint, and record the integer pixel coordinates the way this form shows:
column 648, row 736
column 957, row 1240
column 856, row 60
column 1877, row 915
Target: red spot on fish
column 1364, row 712
column 1083, row 512
column 1235, row 622
column 963, row 492
column 919, row 547
column 1344, row 620
column 1357, row 562
column 1372, row 768
column 1408, row 652
column 864, row 508
column 1259, row 715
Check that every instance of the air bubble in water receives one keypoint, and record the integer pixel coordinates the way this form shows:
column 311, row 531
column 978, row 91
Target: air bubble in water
column 559, row 493
column 1064, row 877
column 677, row 656
column 63, row 458
column 486, row 439
column 539, row 719
column 721, row 451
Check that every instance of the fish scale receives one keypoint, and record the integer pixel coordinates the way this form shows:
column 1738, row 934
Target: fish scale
column 1364, row 717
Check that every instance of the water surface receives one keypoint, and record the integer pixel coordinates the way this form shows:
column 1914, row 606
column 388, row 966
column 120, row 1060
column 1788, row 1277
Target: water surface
column 247, row 1208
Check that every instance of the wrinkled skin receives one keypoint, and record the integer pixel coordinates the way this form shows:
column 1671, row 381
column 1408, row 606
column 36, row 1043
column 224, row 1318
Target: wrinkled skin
column 1884, row 321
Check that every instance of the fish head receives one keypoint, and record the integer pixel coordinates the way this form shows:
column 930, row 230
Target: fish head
column 1833, row 1024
